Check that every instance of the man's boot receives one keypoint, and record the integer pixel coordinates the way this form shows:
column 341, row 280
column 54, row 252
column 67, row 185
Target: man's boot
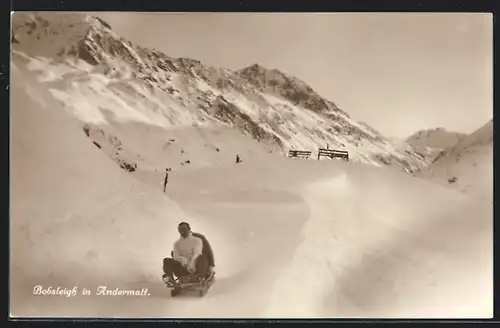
column 167, row 278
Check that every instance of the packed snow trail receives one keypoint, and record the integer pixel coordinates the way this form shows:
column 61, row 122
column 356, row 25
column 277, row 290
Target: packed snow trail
column 291, row 237
column 378, row 244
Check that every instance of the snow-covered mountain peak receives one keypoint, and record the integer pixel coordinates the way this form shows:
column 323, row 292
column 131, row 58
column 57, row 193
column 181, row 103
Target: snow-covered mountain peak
column 289, row 87
column 438, row 137
column 45, row 34
column 261, row 76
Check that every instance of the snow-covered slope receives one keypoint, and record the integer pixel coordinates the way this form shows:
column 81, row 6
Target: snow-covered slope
column 76, row 218
column 467, row 166
column 102, row 78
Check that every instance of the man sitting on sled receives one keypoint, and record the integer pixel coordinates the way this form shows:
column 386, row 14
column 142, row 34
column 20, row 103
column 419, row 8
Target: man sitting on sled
column 192, row 256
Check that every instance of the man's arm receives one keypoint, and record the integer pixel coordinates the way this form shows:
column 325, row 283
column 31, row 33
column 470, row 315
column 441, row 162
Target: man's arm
column 210, row 254
column 178, row 257
column 198, row 248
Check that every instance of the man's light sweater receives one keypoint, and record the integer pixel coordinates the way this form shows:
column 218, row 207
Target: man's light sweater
column 186, row 250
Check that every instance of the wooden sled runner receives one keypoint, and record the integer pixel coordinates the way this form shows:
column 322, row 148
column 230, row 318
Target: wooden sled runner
column 200, row 285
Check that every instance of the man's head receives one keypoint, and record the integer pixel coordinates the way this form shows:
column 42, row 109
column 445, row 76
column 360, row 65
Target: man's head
column 184, row 229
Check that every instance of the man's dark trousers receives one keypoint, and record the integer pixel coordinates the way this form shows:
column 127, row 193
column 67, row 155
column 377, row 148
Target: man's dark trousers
column 173, row 267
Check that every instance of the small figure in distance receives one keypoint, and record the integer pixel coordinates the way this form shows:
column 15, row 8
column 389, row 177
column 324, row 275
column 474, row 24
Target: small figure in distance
column 166, row 178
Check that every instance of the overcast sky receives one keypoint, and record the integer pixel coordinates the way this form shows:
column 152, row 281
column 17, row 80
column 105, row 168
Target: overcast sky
column 397, row 72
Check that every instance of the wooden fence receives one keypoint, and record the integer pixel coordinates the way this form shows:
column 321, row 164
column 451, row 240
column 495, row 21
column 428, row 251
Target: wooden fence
column 322, row 152
column 332, row 153
column 299, row 153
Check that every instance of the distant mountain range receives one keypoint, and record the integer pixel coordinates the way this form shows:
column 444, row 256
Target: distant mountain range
column 437, row 138
column 431, row 142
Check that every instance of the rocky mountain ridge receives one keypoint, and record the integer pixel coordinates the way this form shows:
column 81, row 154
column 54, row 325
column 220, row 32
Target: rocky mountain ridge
column 102, row 77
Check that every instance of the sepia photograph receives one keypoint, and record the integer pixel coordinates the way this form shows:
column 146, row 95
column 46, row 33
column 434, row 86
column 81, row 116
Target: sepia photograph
column 251, row 165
